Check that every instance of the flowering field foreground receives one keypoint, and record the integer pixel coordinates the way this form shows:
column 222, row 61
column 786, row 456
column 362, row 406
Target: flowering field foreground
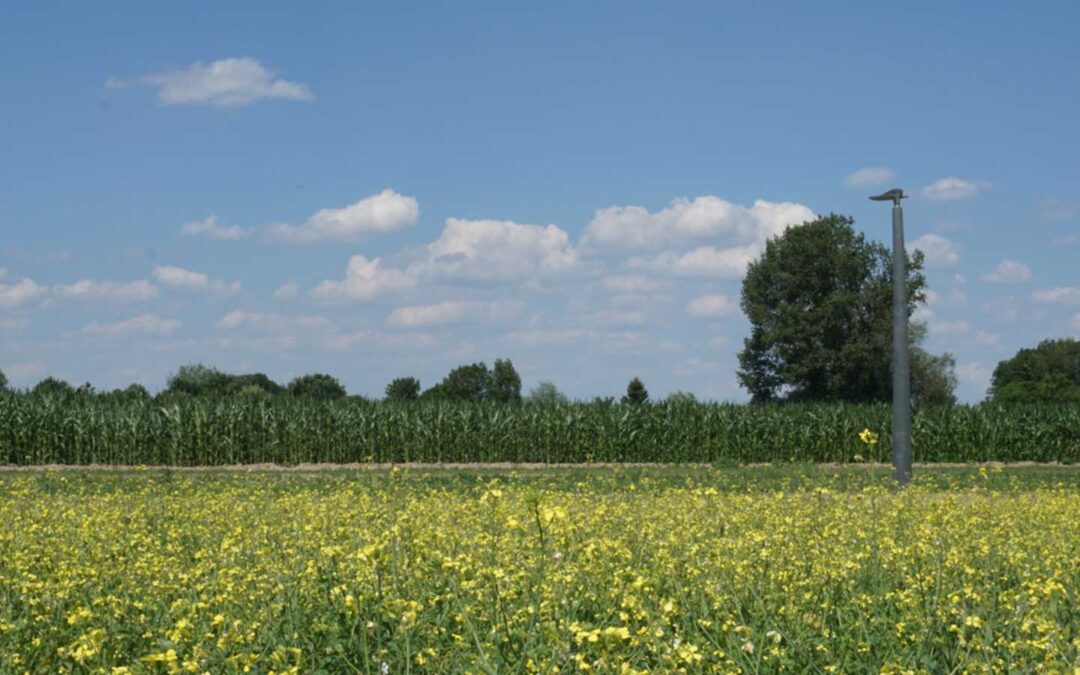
column 746, row 570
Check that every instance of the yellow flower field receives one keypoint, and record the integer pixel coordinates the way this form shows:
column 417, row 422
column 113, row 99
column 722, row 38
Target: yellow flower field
column 610, row 571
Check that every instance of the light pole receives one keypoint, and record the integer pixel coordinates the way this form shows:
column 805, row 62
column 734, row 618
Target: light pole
column 901, row 388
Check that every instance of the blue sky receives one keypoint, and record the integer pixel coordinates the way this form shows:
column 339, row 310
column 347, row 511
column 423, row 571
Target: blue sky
column 575, row 186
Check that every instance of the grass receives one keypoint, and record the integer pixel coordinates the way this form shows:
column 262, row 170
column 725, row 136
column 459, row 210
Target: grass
column 641, row 569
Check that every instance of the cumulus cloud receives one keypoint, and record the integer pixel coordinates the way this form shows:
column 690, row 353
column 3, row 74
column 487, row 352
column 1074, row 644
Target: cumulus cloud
column 19, row 294
column 703, row 261
column 711, row 306
column 939, row 251
column 209, row 228
column 1065, row 295
column 387, row 211
column 451, row 311
column 634, row 227
column 286, row 291
column 224, row 83
column 953, row 188
column 187, row 280
column 870, row 176
column 364, row 280
column 107, row 291
column 1008, row 272
column 143, row 324
column 493, row 250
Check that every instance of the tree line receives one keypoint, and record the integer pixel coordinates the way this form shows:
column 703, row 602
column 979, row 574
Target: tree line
column 819, row 302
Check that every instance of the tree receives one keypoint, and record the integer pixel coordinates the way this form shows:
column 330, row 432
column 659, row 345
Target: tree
column 546, row 393
column 470, row 382
column 505, row 382
column 3, row 381
column 819, row 301
column 933, row 378
column 1049, row 373
column 681, row 398
column 198, row 380
column 318, row 386
column 636, row 394
column 241, row 383
column 52, row 386
column 403, row 389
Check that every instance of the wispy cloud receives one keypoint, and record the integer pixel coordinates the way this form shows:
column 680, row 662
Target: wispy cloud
column 209, row 228
column 1009, row 272
column 953, row 188
column 870, row 176
column 224, row 83
column 143, row 324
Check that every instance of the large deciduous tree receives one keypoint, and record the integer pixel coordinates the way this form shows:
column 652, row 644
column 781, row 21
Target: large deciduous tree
column 819, row 301
column 1049, row 373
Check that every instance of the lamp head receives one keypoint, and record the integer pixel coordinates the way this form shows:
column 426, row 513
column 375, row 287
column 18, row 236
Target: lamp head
column 894, row 195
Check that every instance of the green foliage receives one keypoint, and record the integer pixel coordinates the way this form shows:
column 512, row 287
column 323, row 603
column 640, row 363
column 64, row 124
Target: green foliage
column 403, row 389
column 475, row 383
column 198, row 380
column 819, row 301
column 3, row 381
column 505, row 382
column 546, row 393
column 681, row 398
column 240, row 383
column 933, row 378
column 318, row 386
column 52, row 386
column 1049, row 373
column 182, row 429
column 636, row 393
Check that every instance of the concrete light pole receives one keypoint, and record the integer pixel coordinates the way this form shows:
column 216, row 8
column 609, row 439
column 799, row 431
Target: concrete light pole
column 901, row 389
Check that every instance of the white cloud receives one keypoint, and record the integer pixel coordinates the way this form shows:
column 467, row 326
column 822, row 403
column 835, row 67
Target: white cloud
column 1064, row 295
column 210, row 229
column 630, row 227
column 1008, row 272
column 711, row 306
column 950, row 326
column 187, row 280
column 224, row 83
column 636, row 284
column 143, row 324
column 939, row 251
column 275, row 323
column 703, row 261
column 371, row 339
column 871, row 175
column 107, row 291
column 286, row 291
column 953, row 188
column 493, row 250
column 450, row 311
column 364, row 280
column 13, row 296
column 387, row 211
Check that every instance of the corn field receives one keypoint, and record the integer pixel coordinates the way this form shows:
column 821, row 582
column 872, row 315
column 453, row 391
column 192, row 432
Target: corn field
column 40, row 429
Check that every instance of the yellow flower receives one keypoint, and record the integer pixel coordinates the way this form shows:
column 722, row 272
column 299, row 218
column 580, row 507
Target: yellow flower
column 868, row 437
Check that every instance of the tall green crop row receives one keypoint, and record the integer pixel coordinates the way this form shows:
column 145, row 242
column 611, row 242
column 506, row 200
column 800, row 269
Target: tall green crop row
column 41, row 429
